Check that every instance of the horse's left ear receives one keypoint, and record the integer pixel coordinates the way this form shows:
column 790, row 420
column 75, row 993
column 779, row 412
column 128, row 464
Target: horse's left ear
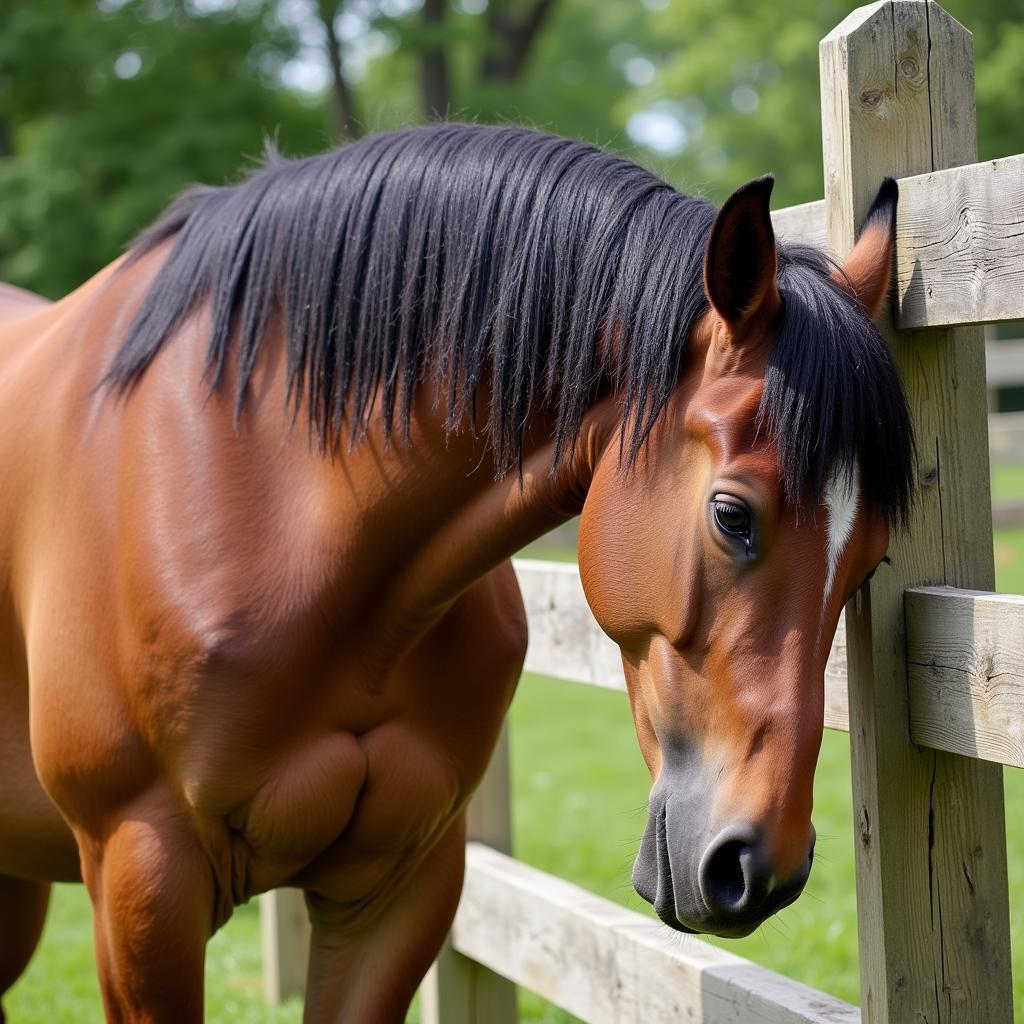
column 868, row 269
column 741, row 264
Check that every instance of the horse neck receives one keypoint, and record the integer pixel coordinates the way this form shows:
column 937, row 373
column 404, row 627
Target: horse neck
column 455, row 520
column 458, row 519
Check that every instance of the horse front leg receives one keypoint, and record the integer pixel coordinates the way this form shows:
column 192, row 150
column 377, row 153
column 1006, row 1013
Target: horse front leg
column 365, row 968
column 152, row 891
column 22, row 913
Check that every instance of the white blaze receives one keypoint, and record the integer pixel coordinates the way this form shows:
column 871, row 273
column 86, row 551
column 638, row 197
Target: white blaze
column 841, row 498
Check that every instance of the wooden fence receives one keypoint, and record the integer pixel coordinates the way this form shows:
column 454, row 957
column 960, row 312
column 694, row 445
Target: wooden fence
column 1004, row 368
column 926, row 675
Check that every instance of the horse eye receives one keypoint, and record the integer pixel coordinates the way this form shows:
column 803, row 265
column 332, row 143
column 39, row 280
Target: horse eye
column 732, row 519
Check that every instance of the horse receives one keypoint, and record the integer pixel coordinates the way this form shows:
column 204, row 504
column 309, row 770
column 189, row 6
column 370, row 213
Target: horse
column 260, row 481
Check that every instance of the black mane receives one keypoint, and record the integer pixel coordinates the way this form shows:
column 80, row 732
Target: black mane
column 495, row 258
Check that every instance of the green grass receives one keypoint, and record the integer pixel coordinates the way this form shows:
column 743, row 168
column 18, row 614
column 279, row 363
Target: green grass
column 1007, row 481
column 580, row 788
column 60, row 985
column 1008, row 542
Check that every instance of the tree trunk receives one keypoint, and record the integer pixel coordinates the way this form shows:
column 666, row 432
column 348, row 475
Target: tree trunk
column 346, row 123
column 434, row 63
column 513, row 38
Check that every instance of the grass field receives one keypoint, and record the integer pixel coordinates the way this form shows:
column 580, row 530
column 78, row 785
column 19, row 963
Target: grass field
column 580, row 789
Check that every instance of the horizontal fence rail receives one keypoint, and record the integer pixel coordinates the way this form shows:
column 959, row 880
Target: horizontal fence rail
column 1006, row 437
column 965, row 654
column 965, row 660
column 609, row 965
column 965, row 663
column 1004, row 363
column 566, row 643
column 959, row 243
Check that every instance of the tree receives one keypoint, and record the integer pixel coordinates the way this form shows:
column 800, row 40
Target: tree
column 109, row 107
column 108, row 112
column 347, row 124
column 743, row 80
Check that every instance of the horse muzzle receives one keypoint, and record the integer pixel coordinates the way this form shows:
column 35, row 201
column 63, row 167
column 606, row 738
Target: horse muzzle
column 723, row 883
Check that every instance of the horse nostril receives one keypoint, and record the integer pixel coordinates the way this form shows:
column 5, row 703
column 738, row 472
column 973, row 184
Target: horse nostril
column 723, row 881
column 732, row 875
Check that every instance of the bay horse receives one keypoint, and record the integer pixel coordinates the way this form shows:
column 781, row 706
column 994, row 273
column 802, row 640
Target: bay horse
column 260, row 480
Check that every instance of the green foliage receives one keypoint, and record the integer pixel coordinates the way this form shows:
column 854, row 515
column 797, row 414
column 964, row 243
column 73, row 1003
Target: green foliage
column 750, row 73
column 109, row 107
column 95, row 156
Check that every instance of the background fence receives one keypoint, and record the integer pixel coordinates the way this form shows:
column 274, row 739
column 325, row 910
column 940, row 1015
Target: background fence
column 927, row 676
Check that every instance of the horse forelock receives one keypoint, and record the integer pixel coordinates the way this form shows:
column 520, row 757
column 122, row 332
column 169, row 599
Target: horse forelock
column 833, row 398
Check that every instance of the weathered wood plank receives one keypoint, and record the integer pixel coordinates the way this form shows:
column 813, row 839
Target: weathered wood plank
column 960, row 245
column 959, row 241
column 284, row 933
column 804, row 223
column 965, row 654
column 837, row 704
column 1004, row 363
column 1006, row 437
column 897, row 99
column 954, row 637
column 610, row 965
column 566, row 642
column 458, row 989
column 1007, row 512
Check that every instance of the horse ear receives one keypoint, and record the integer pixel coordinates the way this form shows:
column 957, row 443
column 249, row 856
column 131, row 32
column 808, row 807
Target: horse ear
column 741, row 264
column 868, row 269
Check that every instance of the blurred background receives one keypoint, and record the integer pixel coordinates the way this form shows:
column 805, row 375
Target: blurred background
column 110, row 107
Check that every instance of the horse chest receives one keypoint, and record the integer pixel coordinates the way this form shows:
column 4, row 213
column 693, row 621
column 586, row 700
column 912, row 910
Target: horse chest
column 347, row 810
column 344, row 814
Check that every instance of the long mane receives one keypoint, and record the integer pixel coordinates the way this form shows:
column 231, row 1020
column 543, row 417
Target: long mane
column 534, row 269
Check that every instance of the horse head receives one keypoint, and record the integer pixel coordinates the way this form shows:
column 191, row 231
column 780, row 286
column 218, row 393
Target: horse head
column 720, row 559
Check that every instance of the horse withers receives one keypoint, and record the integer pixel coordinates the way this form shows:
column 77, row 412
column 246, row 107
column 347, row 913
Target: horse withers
column 259, row 483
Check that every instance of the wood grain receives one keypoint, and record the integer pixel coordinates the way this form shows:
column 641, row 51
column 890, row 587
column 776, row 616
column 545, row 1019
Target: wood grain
column 804, row 223
column 897, row 99
column 958, row 702
column 460, row 989
column 959, row 242
column 610, row 965
column 960, row 245
column 965, row 653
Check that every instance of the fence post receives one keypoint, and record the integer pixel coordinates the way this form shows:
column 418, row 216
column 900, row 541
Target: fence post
column 458, row 990
column 285, row 931
column 897, row 92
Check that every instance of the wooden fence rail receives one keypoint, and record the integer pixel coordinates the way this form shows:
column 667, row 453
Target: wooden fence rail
column 959, row 244
column 1004, row 363
column 607, row 964
column 965, row 654
column 966, row 674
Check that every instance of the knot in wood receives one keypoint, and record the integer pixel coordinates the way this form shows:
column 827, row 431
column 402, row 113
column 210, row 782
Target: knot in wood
column 909, row 68
column 871, row 99
column 865, row 827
